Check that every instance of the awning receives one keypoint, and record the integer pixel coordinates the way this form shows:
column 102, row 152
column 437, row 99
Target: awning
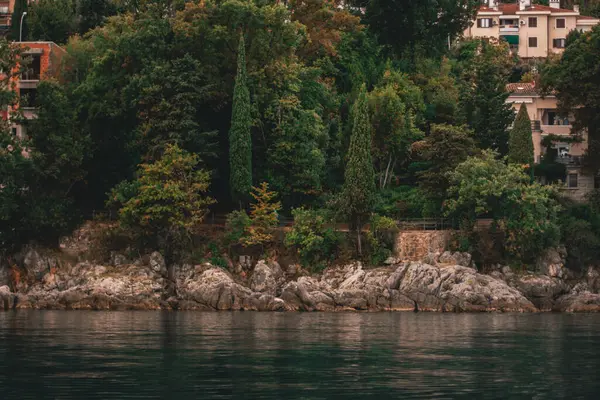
column 511, row 39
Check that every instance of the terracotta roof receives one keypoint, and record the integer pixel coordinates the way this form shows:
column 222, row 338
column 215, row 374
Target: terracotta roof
column 585, row 17
column 522, row 89
column 512, row 9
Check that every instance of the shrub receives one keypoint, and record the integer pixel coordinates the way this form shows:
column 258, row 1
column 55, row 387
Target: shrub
column 236, row 227
column 381, row 238
column 314, row 242
column 263, row 213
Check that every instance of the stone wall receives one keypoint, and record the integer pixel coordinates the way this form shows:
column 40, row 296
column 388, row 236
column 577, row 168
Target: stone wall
column 416, row 245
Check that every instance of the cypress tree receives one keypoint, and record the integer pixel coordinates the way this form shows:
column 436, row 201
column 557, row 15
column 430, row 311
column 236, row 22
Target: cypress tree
column 15, row 27
column 240, row 140
column 520, row 142
column 359, row 178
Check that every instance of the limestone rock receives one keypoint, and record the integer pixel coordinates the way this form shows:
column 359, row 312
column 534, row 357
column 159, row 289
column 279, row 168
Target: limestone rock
column 541, row 290
column 578, row 302
column 267, row 278
column 456, row 258
column 552, row 263
column 157, row 263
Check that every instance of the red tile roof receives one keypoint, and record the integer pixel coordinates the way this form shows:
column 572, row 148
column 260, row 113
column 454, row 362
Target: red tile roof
column 585, row 17
column 512, row 9
column 522, row 89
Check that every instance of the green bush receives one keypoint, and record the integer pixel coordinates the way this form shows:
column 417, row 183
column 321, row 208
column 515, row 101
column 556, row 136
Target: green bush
column 236, row 227
column 401, row 202
column 314, row 242
column 380, row 238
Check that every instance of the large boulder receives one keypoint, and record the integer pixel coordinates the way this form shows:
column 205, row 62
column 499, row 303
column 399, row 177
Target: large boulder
column 267, row 278
column 215, row 289
column 455, row 288
column 455, row 258
column 541, row 290
column 552, row 263
column 578, row 302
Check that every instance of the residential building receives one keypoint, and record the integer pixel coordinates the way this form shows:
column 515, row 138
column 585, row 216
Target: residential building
column 546, row 121
column 45, row 59
column 532, row 30
column 6, row 10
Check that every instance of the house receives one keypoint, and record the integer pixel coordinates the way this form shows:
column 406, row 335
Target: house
column 532, row 30
column 45, row 59
column 6, row 10
column 545, row 121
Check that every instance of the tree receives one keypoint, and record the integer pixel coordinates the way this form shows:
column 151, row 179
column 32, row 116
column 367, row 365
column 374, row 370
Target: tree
column 393, row 128
column 52, row 20
column 525, row 212
column 240, row 139
column 444, row 148
column 93, row 13
column 520, row 145
column 485, row 69
column 170, row 204
column 264, row 217
column 20, row 7
column 416, row 26
column 359, row 178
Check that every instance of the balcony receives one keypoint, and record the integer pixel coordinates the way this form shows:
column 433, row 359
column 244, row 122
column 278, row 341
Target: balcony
column 569, row 160
column 563, row 130
column 509, row 28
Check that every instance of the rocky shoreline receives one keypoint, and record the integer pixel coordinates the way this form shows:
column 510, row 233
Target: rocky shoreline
column 440, row 284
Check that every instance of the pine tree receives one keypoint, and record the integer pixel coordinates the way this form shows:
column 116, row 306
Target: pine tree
column 359, row 178
column 15, row 24
column 520, row 143
column 240, row 141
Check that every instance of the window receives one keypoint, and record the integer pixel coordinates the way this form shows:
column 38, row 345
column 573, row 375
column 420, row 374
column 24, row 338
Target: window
column 34, row 68
column 560, row 23
column 484, row 22
column 532, row 42
column 572, row 180
column 14, row 131
column 551, row 118
column 4, row 10
column 532, row 22
column 28, row 98
column 559, row 43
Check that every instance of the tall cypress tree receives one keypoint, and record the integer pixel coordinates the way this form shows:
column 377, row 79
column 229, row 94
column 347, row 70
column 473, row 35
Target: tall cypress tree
column 240, row 140
column 520, row 142
column 359, row 178
column 15, row 22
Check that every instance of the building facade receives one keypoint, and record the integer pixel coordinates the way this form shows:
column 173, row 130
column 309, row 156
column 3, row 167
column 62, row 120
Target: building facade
column 545, row 121
column 532, row 30
column 45, row 59
column 6, row 10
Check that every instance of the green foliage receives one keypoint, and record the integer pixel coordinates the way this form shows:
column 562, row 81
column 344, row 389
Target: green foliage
column 240, row 140
column 402, row 202
column 393, row 127
column 237, row 226
column 51, row 20
column 314, row 242
column 380, row 237
column 264, row 216
column 484, row 68
column 419, row 26
column 521, row 142
column 359, row 178
column 525, row 212
column 171, row 201
column 444, row 149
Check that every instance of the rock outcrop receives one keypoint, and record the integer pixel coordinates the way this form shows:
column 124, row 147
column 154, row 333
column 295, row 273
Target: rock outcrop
column 49, row 282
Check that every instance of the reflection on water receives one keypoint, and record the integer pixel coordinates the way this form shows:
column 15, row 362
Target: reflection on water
column 168, row 355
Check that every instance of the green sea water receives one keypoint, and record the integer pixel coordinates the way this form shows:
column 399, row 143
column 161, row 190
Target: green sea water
column 189, row 355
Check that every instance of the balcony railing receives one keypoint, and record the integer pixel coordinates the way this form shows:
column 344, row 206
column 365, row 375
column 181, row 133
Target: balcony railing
column 569, row 160
column 509, row 28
